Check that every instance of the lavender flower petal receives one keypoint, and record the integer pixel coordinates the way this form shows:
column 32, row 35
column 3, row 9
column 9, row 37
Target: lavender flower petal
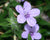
column 31, row 21
column 25, row 34
column 21, row 19
column 37, row 36
column 18, row 1
column 19, row 9
column 34, row 12
column 27, row 6
column 27, row 27
column 22, row 0
column 37, row 27
column 32, row 29
column 32, row 37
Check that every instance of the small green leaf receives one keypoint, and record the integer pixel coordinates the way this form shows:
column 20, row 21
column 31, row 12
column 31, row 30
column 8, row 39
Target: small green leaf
column 29, row 37
column 47, row 33
column 7, row 34
column 18, row 33
column 11, row 13
column 13, row 20
column 42, row 38
column 43, row 22
column 4, row 24
column 13, row 3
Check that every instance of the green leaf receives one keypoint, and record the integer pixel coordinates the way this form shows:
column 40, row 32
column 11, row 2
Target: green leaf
column 18, row 33
column 42, row 30
column 47, row 33
column 47, row 7
column 42, row 38
column 43, row 22
column 7, row 34
column 11, row 13
column 3, row 1
column 29, row 37
column 4, row 13
column 39, row 2
column 14, row 3
column 48, row 13
column 13, row 20
column 11, row 0
column 4, row 24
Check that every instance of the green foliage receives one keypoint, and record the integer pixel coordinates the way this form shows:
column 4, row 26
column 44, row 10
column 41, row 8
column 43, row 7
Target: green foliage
column 18, row 33
column 7, row 34
column 29, row 37
column 13, row 21
column 13, row 3
column 43, row 22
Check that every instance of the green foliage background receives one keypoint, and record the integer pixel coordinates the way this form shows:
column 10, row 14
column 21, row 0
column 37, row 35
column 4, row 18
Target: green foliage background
column 9, row 26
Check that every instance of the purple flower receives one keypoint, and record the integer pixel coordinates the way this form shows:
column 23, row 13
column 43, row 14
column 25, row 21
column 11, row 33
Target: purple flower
column 22, row 0
column 33, row 31
column 26, row 14
column 19, row 0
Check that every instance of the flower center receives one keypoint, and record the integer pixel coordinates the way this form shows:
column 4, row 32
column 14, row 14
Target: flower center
column 31, row 33
column 27, row 15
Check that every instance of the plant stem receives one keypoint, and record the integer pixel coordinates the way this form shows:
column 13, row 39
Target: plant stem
column 14, row 37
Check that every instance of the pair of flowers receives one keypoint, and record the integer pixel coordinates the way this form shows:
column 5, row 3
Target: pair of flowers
column 26, row 14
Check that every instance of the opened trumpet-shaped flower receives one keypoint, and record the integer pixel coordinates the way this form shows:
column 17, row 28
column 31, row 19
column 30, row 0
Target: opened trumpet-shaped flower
column 27, row 13
column 33, row 31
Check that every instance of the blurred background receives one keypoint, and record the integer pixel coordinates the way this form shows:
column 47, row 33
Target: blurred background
column 9, row 25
